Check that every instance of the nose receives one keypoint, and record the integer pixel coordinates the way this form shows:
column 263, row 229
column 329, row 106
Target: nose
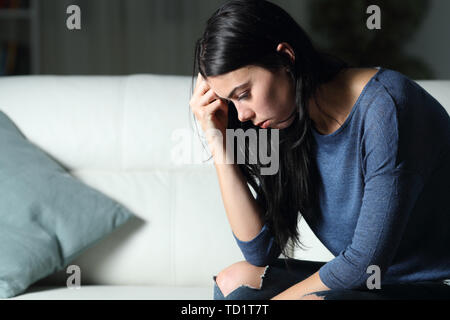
column 245, row 115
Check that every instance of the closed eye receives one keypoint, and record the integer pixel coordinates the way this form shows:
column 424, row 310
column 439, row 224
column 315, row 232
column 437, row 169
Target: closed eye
column 243, row 96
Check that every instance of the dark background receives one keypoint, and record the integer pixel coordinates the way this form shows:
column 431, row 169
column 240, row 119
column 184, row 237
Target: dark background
column 157, row 36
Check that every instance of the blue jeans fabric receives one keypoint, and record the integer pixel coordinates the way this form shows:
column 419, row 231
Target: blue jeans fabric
column 284, row 273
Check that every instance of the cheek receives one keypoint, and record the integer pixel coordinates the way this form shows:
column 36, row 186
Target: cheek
column 270, row 102
column 278, row 98
column 262, row 104
column 265, row 108
column 285, row 96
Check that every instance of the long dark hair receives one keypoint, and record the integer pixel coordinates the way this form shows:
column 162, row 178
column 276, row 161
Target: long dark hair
column 247, row 32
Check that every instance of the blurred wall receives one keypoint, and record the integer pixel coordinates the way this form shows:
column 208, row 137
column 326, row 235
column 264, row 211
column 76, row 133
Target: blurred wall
column 432, row 42
column 158, row 36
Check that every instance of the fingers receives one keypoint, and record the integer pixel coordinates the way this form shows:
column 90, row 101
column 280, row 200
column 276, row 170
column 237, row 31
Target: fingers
column 208, row 97
column 201, row 86
column 214, row 106
column 198, row 103
column 203, row 94
column 205, row 102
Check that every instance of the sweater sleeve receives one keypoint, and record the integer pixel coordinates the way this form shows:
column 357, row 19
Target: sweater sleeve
column 390, row 192
column 261, row 250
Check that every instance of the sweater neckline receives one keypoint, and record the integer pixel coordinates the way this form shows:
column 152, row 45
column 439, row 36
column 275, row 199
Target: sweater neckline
column 350, row 115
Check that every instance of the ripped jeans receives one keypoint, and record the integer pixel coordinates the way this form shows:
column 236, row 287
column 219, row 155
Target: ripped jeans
column 279, row 276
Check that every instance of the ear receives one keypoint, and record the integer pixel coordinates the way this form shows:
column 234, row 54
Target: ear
column 285, row 48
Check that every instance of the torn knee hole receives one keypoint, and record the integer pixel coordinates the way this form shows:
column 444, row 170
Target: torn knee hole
column 262, row 276
column 227, row 291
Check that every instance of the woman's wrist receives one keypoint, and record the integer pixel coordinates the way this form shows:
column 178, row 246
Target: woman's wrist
column 217, row 145
column 220, row 154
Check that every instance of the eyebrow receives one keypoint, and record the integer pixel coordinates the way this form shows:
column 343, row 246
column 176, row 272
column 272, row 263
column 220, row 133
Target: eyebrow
column 237, row 88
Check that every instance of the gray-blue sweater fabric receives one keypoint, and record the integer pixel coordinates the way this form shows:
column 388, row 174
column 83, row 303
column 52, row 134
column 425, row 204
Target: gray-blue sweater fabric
column 384, row 192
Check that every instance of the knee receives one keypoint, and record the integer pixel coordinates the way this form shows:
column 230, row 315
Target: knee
column 239, row 273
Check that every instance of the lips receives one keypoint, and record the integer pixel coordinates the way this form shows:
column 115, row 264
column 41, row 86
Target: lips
column 263, row 124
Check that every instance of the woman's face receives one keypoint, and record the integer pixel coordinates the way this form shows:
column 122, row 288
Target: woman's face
column 265, row 98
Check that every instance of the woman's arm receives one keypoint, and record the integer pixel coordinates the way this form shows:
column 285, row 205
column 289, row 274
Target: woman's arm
column 254, row 240
column 241, row 208
column 391, row 190
column 301, row 290
column 253, row 237
column 390, row 193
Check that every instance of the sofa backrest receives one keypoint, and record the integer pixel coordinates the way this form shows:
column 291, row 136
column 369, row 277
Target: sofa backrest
column 135, row 139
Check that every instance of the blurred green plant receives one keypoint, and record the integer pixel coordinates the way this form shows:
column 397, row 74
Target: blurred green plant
column 341, row 24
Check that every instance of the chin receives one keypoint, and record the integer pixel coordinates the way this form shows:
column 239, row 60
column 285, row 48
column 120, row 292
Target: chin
column 275, row 126
column 283, row 125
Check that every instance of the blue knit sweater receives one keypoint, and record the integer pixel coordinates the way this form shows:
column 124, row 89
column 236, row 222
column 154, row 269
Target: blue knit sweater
column 384, row 191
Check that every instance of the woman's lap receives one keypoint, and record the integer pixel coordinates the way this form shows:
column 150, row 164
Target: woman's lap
column 278, row 277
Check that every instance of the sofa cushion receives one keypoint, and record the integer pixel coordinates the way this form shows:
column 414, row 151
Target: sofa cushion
column 47, row 217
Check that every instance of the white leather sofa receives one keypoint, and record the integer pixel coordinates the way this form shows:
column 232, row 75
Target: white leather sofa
column 134, row 138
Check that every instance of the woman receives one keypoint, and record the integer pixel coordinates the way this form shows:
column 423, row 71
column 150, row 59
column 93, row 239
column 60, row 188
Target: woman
column 364, row 159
